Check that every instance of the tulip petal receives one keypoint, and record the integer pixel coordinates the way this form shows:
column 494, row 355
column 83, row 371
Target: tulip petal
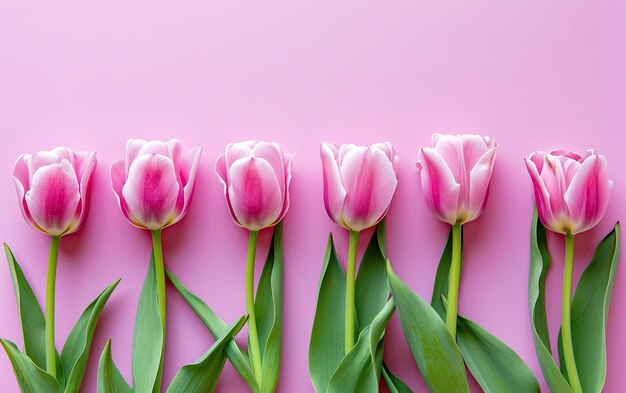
column 84, row 166
column 273, row 154
column 555, row 182
column 450, row 149
column 474, row 148
column 480, row 177
column 334, row 191
column 133, row 146
column 288, row 158
column 370, row 183
column 588, row 195
column 38, row 160
column 235, row 151
column 254, row 193
column 542, row 197
column 20, row 177
column 118, row 169
column 187, row 175
column 54, row 197
column 151, row 191
column 440, row 188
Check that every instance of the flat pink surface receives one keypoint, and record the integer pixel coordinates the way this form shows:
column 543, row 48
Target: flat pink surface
column 533, row 74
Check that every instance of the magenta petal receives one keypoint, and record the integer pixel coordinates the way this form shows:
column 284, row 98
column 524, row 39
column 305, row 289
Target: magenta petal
column 133, row 146
column 188, row 172
column 118, row 169
column 542, row 196
column 273, row 154
column 588, row 195
column 334, row 191
column 288, row 158
column 441, row 191
column 235, row 151
column 480, row 177
column 85, row 166
column 370, row 182
column 54, row 197
column 254, row 193
column 474, row 148
column 151, row 191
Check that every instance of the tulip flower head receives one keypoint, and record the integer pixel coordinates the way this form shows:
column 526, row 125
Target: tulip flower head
column 456, row 173
column 53, row 188
column 359, row 183
column 154, row 184
column 256, row 178
column 571, row 190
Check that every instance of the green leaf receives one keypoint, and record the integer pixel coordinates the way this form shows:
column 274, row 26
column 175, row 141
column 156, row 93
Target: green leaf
column 30, row 377
column 394, row 384
column 326, row 349
column 31, row 318
column 202, row 376
column 371, row 289
column 78, row 344
column 436, row 354
column 218, row 328
column 442, row 277
column 148, row 336
column 268, row 306
column 357, row 371
column 496, row 367
column 110, row 380
column 590, row 308
column 539, row 265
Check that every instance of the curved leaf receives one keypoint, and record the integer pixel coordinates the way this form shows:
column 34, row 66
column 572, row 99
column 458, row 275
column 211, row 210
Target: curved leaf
column 436, row 354
column 496, row 367
column 268, row 305
column 357, row 371
column 32, row 321
column 30, row 377
column 78, row 344
column 202, row 376
column 326, row 349
column 539, row 265
column 110, row 379
column 394, row 384
column 440, row 288
column 218, row 328
column 371, row 289
column 590, row 308
column 148, row 336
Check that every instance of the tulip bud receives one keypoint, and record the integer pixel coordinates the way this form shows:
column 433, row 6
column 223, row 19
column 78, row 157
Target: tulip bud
column 154, row 184
column 359, row 183
column 571, row 191
column 53, row 188
column 256, row 177
column 455, row 175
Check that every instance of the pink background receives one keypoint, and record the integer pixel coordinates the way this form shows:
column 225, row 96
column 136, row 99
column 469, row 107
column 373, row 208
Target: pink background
column 533, row 74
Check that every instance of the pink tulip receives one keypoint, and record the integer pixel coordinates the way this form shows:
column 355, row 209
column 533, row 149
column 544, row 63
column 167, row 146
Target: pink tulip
column 359, row 183
column 154, row 183
column 455, row 174
column 256, row 177
column 53, row 188
column 571, row 191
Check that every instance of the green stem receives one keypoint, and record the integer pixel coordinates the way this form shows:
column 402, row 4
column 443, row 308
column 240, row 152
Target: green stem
column 51, row 359
column 453, row 281
column 157, row 249
column 354, row 242
column 566, row 330
column 255, row 351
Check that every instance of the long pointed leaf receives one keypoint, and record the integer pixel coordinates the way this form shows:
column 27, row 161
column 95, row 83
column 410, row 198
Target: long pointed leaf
column 78, row 344
column 357, row 373
column 30, row 377
column 110, row 380
column 269, row 310
column 440, row 288
column 32, row 320
column 148, row 336
column 590, row 309
column 539, row 265
column 218, row 328
column 326, row 349
column 436, row 354
column 202, row 376
column 394, row 384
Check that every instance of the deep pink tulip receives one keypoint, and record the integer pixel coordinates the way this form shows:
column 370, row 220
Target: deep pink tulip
column 154, row 184
column 53, row 188
column 571, row 190
column 359, row 183
column 455, row 175
column 256, row 177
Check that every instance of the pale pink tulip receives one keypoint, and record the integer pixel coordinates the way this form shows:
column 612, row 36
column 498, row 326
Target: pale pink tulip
column 53, row 188
column 359, row 183
column 571, row 190
column 154, row 184
column 256, row 177
column 455, row 175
